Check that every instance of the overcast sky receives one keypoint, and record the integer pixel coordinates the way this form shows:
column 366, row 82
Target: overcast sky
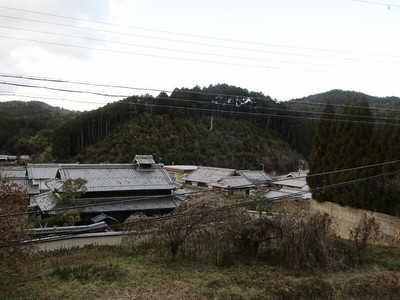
column 285, row 49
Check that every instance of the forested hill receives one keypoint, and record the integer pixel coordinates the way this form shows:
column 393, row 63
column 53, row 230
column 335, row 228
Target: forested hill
column 28, row 127
column 221, row 125
column 340, row 97
column 17, row 109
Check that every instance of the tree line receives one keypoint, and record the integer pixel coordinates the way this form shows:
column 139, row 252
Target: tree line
column 346, row 139
column 219, row 104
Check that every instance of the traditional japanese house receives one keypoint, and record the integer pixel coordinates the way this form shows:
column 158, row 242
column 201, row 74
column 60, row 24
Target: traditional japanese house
column 117, row 190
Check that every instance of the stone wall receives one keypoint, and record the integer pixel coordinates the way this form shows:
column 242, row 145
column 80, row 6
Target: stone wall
column 344, row 218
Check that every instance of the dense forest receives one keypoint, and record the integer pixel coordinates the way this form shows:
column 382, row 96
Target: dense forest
column 219, row 125
column 349, row 138
column 380, row 107
column 28, row 127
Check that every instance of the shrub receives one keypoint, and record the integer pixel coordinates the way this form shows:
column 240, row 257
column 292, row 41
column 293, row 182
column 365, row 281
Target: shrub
column 306, row 241
column 204, row 231
column 365, row 232
column 13, row 228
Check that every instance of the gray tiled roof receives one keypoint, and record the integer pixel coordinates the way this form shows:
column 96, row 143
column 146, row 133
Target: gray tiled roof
column 15, row 173
column 25, row 184
column 233, row 182
column 255, row 176
column 134, row 205
column 22, row 182
column 144, row 160
column 304, row 190
column 42, row 171
column 274, row 194
column 296, row 183
column 54, row 184
column 208, row 174
column 97, row 227
column 46, row 201
column 296, row 174
column 7, row 157
column 118, row 177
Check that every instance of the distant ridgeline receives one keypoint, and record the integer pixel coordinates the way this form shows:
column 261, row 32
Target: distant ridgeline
column 351, row 137
column 27, row 128
column 221, row 125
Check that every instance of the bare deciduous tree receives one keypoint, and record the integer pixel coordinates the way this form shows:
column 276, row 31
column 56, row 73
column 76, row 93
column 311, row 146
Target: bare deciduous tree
column 13, row 199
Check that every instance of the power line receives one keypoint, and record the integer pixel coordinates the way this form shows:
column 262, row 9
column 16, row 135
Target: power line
column 62, row 89
column 265, row 98
column 225, row 55
column 253, row 114
column 196, row 59
column 227, row 207
column 195, row 36
column 344, row 105
column 261, row 108
column 249, row 114
column 378, row 3
column 249, row 203
column 138, row 198
column 257, row 108
column 157, row 56
column 41, row 97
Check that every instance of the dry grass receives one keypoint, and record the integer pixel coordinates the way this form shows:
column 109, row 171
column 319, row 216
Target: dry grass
column 146, row 278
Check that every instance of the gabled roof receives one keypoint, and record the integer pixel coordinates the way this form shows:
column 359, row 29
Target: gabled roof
column 180, row 168
column 101, row 217
column 144, row 160
column 208, row 174
column 46, row 201
column 255, row 176
column 295, row 183
column 7, row 157
column 115, row 177
column 97, row 227
column 54, row 184
column 287, row 193
column 147, row 204
column 304, row 190
column 296, row 174
column 25, row 184
column 42, row 171
column 13, row 173
column 232, row 182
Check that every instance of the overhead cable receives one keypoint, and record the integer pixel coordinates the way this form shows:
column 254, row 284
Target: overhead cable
column 228, row 207
column 138, row 198
column 193, row 35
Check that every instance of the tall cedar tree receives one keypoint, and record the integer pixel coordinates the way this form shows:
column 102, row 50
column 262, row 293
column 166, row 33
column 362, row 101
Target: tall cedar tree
column 352, row 141
column 319, row 156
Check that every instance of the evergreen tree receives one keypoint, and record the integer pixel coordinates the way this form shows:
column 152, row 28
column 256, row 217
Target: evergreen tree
column 353, row 142
column 319, row 161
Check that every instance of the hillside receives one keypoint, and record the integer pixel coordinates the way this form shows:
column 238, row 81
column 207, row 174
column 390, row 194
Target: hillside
column 230, row 143
column 340, row 97
column 27, row 127
column 17, row 109
column 221, row 125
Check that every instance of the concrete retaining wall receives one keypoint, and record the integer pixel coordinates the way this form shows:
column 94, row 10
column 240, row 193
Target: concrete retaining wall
column 345, row 218
column 112, row 238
